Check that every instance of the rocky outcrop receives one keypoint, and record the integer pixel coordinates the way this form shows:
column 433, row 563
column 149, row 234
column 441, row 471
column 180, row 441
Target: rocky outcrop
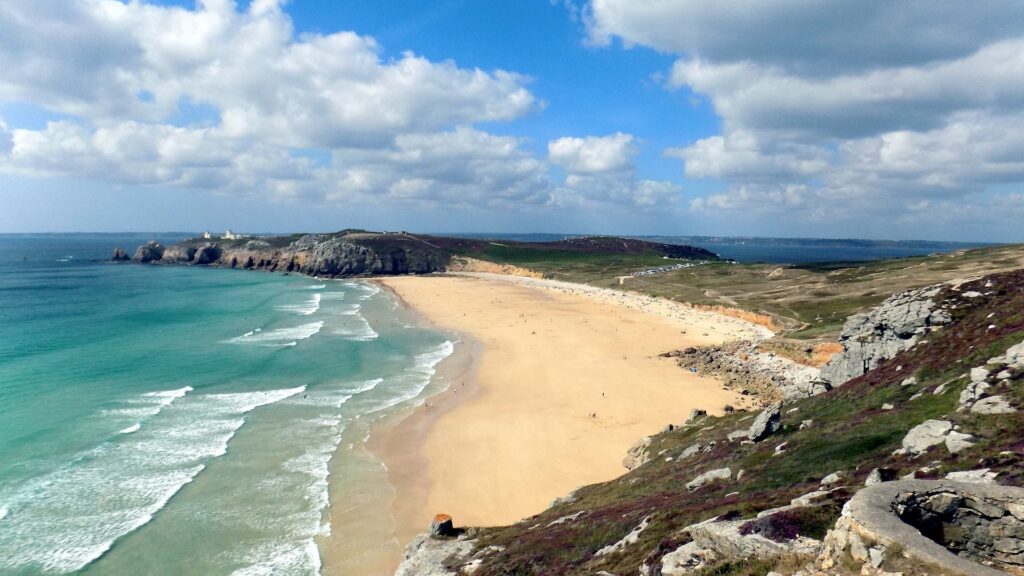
column 745, row 369
column 953, row 526
column 708, row 477
column 983, row 395
column 328, row 255
column 883, row 332
column 429, row 556
column 636, row 456
column 152, row 251
column 120, row 255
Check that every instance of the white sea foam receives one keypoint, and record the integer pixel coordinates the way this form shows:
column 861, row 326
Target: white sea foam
column 71, row 516
column 146, row 406
column 317, row 287
column 280, row 336
column 133, row 428
column 307, row 308
column 357, row 329
column 418, row 376
column 284, row 558
column 333, row 295
column 3, row 512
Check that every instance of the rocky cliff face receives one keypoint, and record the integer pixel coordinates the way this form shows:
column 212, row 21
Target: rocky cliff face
column 883, row 332
column 339, row 255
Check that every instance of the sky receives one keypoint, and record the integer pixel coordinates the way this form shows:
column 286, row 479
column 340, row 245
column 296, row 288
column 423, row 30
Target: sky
column 894, row 119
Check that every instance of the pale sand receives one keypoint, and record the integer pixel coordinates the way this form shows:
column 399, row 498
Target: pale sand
column 549, row 357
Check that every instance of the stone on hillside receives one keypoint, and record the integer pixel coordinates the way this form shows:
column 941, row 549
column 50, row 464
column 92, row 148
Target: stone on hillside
column 710, row 476
column 637, row 454
column 695, row 414
column 690, row 451
column 981, row 476
column 924, row 436
column 1003, row 375
column 939, row 390
column 809, row 498
column 909, row 381
column 956, row 441
column 1015, row 355
column 978, row 374
column 737, row 435
column 806, row 424
column 887, row 406
column 767, row 422
column 832, row 478
column 442, row 525
column 993, row 405
column 879, row 475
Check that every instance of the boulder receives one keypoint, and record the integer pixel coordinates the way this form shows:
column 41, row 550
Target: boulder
column 767, row 422
column 442, row 526
column 993, row 405
column 925, row 435
column 708, row 477
column 151, row 251
column 695, row 414
column 120, row 255
column 879, row 475
column 956, row 441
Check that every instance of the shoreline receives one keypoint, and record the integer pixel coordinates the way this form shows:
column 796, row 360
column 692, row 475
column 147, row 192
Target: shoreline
column 432, row 450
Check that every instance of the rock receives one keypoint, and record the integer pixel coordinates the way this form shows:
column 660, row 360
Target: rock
column 982, row 476
column 887, row 406
column 883, row 332
column 767, row 422
column 207, row 254
column 632, row 538
column 152, row 251
column 809, row 498
column 879, row 475
column 924, row 436
column 939, row 390
column 427, row 556
column 993, row 405
column 806, row 424
column 692, row 450
column 695, row 414
column 737, row 435
column 688, row 558
column 637, row 454
column 728, row 409
column 120, row 255
column 876, row 555
column 956, row 441
column 909, row 381
column 832, row 478
column 442, row 526
column 710, row 476
column 979, row 374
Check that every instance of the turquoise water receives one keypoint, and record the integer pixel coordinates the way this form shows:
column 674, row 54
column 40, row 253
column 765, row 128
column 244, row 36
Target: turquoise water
column 178, row 420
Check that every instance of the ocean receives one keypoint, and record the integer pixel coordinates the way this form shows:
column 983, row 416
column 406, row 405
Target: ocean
column 177, row 420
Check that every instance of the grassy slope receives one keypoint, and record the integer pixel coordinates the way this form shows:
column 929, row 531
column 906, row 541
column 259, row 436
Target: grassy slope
column 811, row 301
column 850, row 433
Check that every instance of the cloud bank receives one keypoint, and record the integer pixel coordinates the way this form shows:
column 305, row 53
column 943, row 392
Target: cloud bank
column 846, row 110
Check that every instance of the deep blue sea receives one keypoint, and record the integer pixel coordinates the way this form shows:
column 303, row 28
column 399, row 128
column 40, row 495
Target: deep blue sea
column 179, row 420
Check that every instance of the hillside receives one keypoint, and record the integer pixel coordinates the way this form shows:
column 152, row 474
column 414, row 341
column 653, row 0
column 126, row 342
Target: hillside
column 691, row 502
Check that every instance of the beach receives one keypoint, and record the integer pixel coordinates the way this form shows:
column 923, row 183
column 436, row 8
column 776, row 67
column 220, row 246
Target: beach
column 562, row 379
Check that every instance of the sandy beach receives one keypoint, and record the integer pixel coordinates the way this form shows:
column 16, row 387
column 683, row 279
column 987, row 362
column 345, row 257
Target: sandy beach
column 564, row 379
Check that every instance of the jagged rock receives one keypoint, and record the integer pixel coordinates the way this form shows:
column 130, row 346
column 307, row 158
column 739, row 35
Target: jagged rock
column 909, row 381
column 738, row 435
column 993, row 405
column 637, row 454
column 925, row 435
column 120, row 255
column 806, row 424
column 883, row 332
column 692, row 450
column 767, row 422
column 426, row 556
column 710, row 476
column 956, row 441
column 688, row 558
column 151, row 251
column 207, row 254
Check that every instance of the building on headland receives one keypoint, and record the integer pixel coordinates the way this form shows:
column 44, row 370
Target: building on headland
column 228, row 235
column 207, row 235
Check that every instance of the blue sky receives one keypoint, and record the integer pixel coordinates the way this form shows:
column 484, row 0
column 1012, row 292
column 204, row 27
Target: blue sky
column 784, row 118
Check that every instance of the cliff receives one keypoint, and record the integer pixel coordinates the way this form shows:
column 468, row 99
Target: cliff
column 361, row 253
